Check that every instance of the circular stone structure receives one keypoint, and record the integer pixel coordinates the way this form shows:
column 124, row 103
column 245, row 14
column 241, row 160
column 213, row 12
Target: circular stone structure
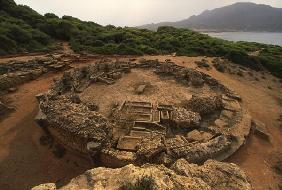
column 147, row 112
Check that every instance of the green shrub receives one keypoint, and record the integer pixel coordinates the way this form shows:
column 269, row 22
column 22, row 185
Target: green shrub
column 143, row 183
column 22, row 28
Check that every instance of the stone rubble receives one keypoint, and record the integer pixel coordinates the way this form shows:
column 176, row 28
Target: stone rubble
column 197, row 152
column 14, row 73
column 204, row 105
column 150, row 147
column 184, row 118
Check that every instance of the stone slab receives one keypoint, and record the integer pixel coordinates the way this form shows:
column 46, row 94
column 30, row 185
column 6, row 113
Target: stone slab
column 128, row 143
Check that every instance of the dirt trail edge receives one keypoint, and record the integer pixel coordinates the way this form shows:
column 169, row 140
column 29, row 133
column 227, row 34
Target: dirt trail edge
column 24, row 162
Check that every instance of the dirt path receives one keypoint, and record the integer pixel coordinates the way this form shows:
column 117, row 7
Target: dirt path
column 20, row 58
column 25, row 163
column 257, row 156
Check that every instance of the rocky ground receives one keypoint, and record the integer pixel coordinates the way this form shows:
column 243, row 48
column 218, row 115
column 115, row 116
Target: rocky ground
column 181, row 175
column 25, row 160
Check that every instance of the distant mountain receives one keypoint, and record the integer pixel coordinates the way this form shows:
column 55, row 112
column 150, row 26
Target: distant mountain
column 236, row 17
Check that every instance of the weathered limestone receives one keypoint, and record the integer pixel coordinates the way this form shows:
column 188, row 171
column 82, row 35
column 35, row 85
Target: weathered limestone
column 115, row 158
column 260, row 129
column 66, row 117
column 14, row 73
column 199, row 136
column 140, row 89
column 182, row 175
column 185, row 118
column 217, row 174
column 46, row 186
column 197, row 152
column 204, row 105
column 150, row 147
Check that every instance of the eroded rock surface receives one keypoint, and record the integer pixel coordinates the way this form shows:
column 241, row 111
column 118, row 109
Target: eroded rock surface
column 204, row 105
column 185, row 118
column 211, row 175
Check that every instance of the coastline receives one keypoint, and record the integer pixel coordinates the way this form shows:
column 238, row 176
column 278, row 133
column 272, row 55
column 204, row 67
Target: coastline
column 270, row 38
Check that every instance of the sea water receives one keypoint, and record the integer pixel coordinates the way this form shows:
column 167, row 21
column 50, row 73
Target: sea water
column 260, row 37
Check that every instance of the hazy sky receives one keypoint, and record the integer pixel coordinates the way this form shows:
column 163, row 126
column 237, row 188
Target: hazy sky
column 131, row 12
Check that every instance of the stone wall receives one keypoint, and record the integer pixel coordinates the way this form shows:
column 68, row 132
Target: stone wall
column 75, row 125
column 14, row 73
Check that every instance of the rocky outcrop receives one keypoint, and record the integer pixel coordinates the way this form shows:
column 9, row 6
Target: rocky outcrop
column 211, row 175
column 217, row 175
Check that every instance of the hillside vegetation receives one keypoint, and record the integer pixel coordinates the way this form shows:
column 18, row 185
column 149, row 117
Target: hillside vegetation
column 22, row 29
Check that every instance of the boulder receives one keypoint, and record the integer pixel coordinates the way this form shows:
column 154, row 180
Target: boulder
column 204, row 105
column 185, row 118
column 140, row 89
column 41, row 119
column 260, row 129
column 200, row 136
column 220, row 67
column 231, row 105
column 234, row 95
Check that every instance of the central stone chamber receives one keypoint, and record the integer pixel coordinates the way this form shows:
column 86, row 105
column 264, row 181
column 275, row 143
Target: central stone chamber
column 119, row 113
